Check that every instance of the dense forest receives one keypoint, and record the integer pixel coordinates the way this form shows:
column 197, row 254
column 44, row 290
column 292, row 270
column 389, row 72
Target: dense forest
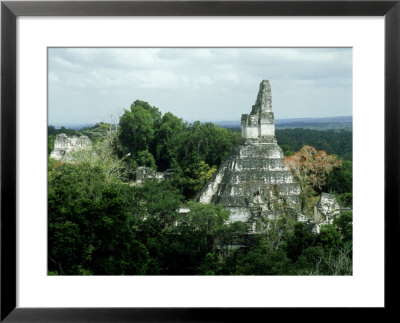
column 338, row 142
column 101, row 222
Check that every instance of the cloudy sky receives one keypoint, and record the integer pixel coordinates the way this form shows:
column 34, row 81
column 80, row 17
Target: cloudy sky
column 89, row 85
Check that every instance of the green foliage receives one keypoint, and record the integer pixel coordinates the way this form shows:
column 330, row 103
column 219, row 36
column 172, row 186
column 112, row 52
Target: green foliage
column 191, row 239
column 156, row 200
column 299, row 241
column 66, row 246
column 340, row 180
column 99, row 227
column 191, row 180
column 185, row 249
column 145, row 158
column 68, row 132
column 52, row 273
column 88, row 224
column 205, row 217
column 309, row 259
column 327, row 253
column 101, row 224
column 72, row 182
column 260, row 258
column 50, row 143
column 52, row 164
column 338, row 142
column 329, row 237
column 207, row 142
column 136, row 130
column 137, row 134
column 211, row 265
column 102, row 155
column 234, row 234
column 51, row 131
column 169, row 139
column 165, row 142
column 98, row 131
column 344, row 224
column 345, row 199
column 287, row 150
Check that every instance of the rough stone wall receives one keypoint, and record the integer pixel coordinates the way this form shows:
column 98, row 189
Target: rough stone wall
column 63, row 145
column 326, row 209
column 253, row 181
column 143, row 173
column 253, row 175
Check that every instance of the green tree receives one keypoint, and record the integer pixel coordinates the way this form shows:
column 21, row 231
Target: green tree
column 299, row 241
column 211, row 265
column 185, row 249
column 287, row 150
column 310, row 261
column 344, row 224
column 260, row 259
column 187, row 244
column 329, row 237
column 211, row 143
column 157, row 200
column 340, row 180
column 50, row 143
column 51, row 131
column 136, row 130
column 190, row 180
column 90, row 227
column 145, row 158
column 169, row 139
column 337, row 142
column 206, row 217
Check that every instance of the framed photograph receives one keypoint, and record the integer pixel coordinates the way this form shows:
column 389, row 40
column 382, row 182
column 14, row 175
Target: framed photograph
column 157, row 163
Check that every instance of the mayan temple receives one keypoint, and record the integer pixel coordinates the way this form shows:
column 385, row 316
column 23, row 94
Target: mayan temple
column 252, row 183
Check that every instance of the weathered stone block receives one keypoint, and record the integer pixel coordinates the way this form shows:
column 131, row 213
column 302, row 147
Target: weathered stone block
column 326, row 209
column 63, row 145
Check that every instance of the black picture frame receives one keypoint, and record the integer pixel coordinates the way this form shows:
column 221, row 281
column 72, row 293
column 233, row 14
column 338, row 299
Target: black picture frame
column 10, row 10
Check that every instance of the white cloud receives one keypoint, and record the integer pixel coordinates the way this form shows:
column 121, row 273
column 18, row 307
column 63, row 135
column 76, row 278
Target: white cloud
column 204, row 83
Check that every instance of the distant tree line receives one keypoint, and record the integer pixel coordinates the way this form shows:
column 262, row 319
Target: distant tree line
column 338, row 142
column 334, row 141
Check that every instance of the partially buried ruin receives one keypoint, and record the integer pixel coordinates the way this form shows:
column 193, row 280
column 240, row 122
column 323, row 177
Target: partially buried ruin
column 64, row 145
column 147, row 173
column 252, row 183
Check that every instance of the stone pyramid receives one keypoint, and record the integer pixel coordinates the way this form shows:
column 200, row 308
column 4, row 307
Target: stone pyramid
column 253, row 182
